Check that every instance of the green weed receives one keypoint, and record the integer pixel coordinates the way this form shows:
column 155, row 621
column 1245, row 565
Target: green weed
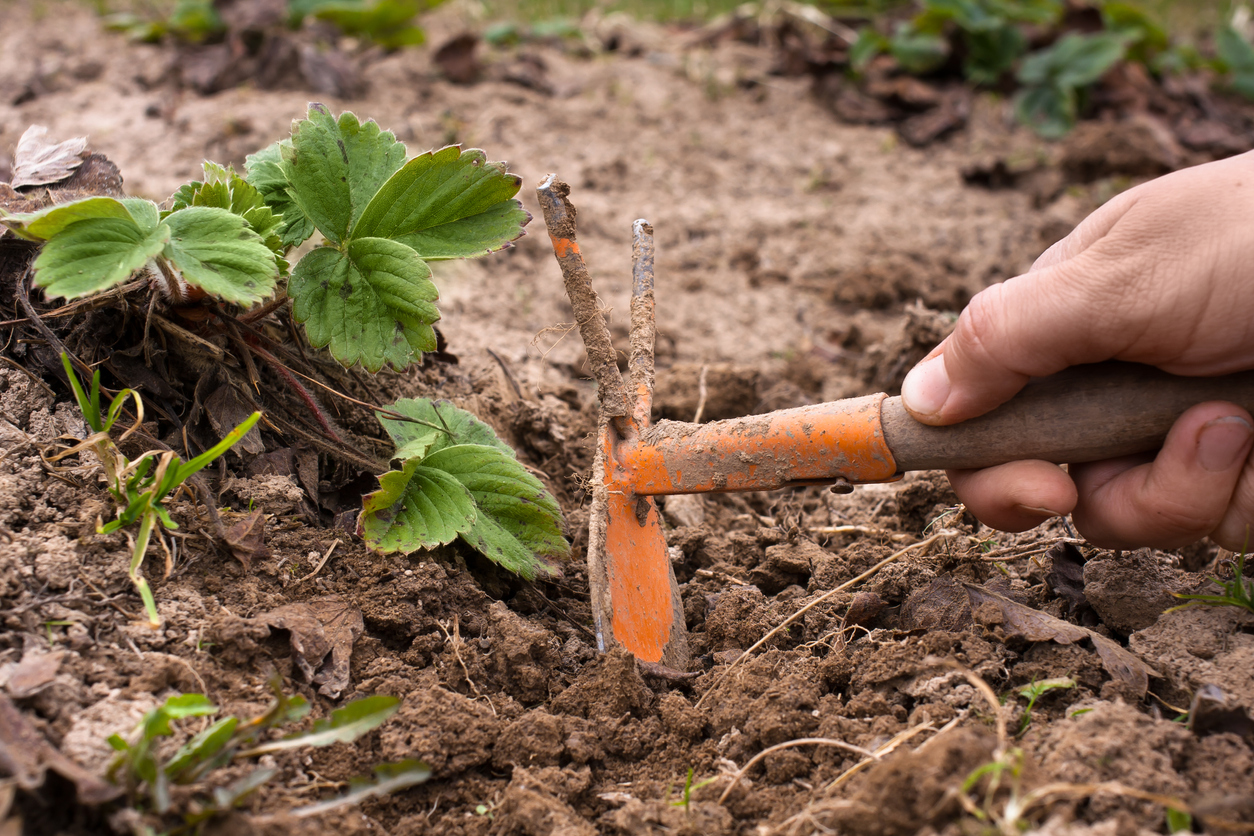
column 1238, row 592
column 148, row 776
column 139, row 488
column 1035, row 690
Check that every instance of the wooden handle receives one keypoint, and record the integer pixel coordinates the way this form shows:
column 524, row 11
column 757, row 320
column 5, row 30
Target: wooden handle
column 1083, row 414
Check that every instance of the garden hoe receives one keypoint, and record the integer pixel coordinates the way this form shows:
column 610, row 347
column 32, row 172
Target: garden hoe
column 1083, row 414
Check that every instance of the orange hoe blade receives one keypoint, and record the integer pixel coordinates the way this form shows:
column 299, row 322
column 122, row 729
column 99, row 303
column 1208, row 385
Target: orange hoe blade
column 1084, row 414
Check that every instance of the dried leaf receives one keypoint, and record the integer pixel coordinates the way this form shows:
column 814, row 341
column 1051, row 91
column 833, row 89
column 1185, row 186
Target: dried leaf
column 1035, row 625
column 321, row 627
column 39, row 162
column 1212, row 713
column 1066, row 578
column 247, row 538
column 456, row 59
column 227, row 410
column 31, row 675
column 941, row 605
column 25, row 756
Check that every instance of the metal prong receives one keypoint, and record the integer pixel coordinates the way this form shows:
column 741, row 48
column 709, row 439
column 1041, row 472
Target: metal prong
column 643, row 322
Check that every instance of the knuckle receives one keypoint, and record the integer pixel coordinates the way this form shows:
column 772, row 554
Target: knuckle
column 1177, row 515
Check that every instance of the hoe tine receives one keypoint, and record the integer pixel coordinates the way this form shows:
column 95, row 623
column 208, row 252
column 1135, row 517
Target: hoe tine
column 635, row 598
column 643, row 322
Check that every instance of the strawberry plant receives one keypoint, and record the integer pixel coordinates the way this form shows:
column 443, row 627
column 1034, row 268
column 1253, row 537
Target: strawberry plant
column 1054, row 79
column 457, row 480
column 217, row 256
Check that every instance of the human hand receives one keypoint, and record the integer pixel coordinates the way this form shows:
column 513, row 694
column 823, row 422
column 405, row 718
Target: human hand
column 1163, row 274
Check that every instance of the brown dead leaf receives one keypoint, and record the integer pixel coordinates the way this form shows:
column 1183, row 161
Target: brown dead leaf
column 39, row 162
column 307, row 470
column 456, row 59
column 1066, row 578
column 320, row 628
column 31, row 675
column 1037, row 626
column 247, row 539
column 227, row 410
column 1212, row 713
column 25, row 756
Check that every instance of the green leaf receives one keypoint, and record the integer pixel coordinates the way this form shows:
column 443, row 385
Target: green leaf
column 222, row 188
column 463, row 427
column 264, row 171
column 372, row 304
column 201, row 748
column 336, row 167
column 388, row 778
column 44, row 224
column 447, row 204
column 217, row 251
column 156, row 722
column 415, row 508
column 1075, row 60
column 1040, row 12
column 864, row 50
column 518, row 520
column 1237, row 54
column 94, row 254
column 992, row 53
column 343, row 726
column 386, row 22
column 918, row 52
column 1148, row 35
column 1046, row 109
column 1234, row 50
column 227, row 798
column 194, row 20
column 1179, row 821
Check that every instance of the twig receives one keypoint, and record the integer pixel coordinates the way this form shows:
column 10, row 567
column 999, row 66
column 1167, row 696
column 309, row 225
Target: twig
column 559, row 217
column 91, row 303
column 265, row 310
column 23, row 298
column 455, row 640
column 788, row 744
column 888, row 748
column 667, row 673
column 940, row 535
column 829, row 530
column 702, row 394
column 301, row 392
column 321, row 563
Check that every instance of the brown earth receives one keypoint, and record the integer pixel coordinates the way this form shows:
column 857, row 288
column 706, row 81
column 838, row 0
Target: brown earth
column 800, row 259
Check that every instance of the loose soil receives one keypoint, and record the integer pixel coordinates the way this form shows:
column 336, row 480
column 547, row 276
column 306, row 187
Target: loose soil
column 800, row 259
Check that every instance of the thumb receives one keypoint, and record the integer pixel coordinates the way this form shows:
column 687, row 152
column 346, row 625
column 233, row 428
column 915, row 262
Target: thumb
column 1029, row 326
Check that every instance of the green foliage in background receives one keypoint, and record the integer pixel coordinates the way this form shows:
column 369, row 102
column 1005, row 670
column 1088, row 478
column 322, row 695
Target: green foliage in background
column 388, row 23
column 991, row 37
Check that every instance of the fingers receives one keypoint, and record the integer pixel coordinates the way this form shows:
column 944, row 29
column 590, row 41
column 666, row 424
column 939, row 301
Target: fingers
column 1091, row 230
column 1196, row 486
column 1032, row 325
column 1015, row 496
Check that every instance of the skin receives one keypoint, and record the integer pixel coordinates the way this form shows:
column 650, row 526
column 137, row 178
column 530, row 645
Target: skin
column 1163, row 274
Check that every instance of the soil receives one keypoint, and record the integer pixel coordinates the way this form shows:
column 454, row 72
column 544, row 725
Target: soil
column 799, row 259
